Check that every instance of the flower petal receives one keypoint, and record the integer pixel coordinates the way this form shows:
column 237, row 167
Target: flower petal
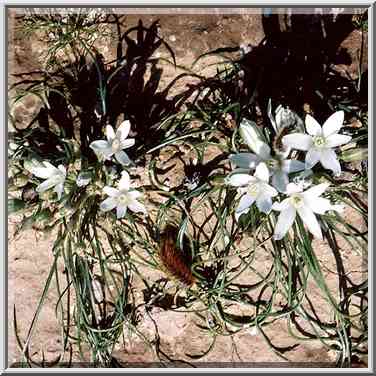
column 333, row 124
column 122, row 158
column 268, row 190
column 83, row 178
column 329, row 160
column 123, row 130
column 108, row 204
column 280, row 180
column 121, row 210
column 338, row 208
column 293, row 188
column 111, row 191
column 62, row 170
column 135, row 194
column 291, row 165
column 312, row 126
column 264, row 203
column 318, row 205
column 125, row 144
column 262, row 150
column 280, row 206
column 337, row 139
column 59, row 189
column 137, row 207
column 298, row 141
column 252, row 139
column 49, row 183
column 29, row 165
column 310, row 220
column 124, row 182
column 270, row 115
column 284, row 222
column 316, row 190
column 102, row 147
column 41, row 172
column 262, row 172
column 245, row 202
column 312, row 157
column 99, row 145
column 239, row 180
column 245, row 160
column 49, row 165
column 44, row 172
column 110, row 133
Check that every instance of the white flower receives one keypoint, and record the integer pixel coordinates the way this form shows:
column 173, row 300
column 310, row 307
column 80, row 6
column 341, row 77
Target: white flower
column 12, row 147
column 253, row 189
column 55, row 177
column 122, row 198
column 115, row 143
column 278, row 166
column 320, row 141
column 284, row 117
column 83, row 178
column 306, row 204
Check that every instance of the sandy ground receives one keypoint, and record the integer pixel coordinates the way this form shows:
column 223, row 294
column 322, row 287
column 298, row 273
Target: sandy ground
column 30, row 256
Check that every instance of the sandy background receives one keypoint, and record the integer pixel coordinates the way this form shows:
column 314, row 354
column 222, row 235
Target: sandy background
column 30, row 252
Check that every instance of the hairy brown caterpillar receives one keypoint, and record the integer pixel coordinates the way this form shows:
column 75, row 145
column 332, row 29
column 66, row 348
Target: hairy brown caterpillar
column 172, row 258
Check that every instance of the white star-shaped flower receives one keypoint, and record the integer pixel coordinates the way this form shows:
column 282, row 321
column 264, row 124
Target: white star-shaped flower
column 122, row 198
column 83, row 178
column 55, row 177
column 279, row 167
column 320, row 141
column 115, row 144
column 253, row 189
column 306, row 204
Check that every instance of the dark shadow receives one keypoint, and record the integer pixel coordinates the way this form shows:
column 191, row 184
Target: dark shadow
column 295, row 65
column 87, row 94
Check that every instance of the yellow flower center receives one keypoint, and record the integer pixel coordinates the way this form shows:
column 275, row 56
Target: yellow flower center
column 297, row 201
column 319, row 141
column 253, row 190
column 272, row 163
column 115, row 145
column 123, row 199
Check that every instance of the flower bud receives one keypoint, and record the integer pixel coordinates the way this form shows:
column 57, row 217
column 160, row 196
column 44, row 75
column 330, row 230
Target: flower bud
column 29, row 165
column 250, row 135
column 284, row 117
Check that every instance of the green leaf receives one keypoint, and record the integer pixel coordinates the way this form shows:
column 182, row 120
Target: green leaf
column 15, row 205
column 354, row 155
